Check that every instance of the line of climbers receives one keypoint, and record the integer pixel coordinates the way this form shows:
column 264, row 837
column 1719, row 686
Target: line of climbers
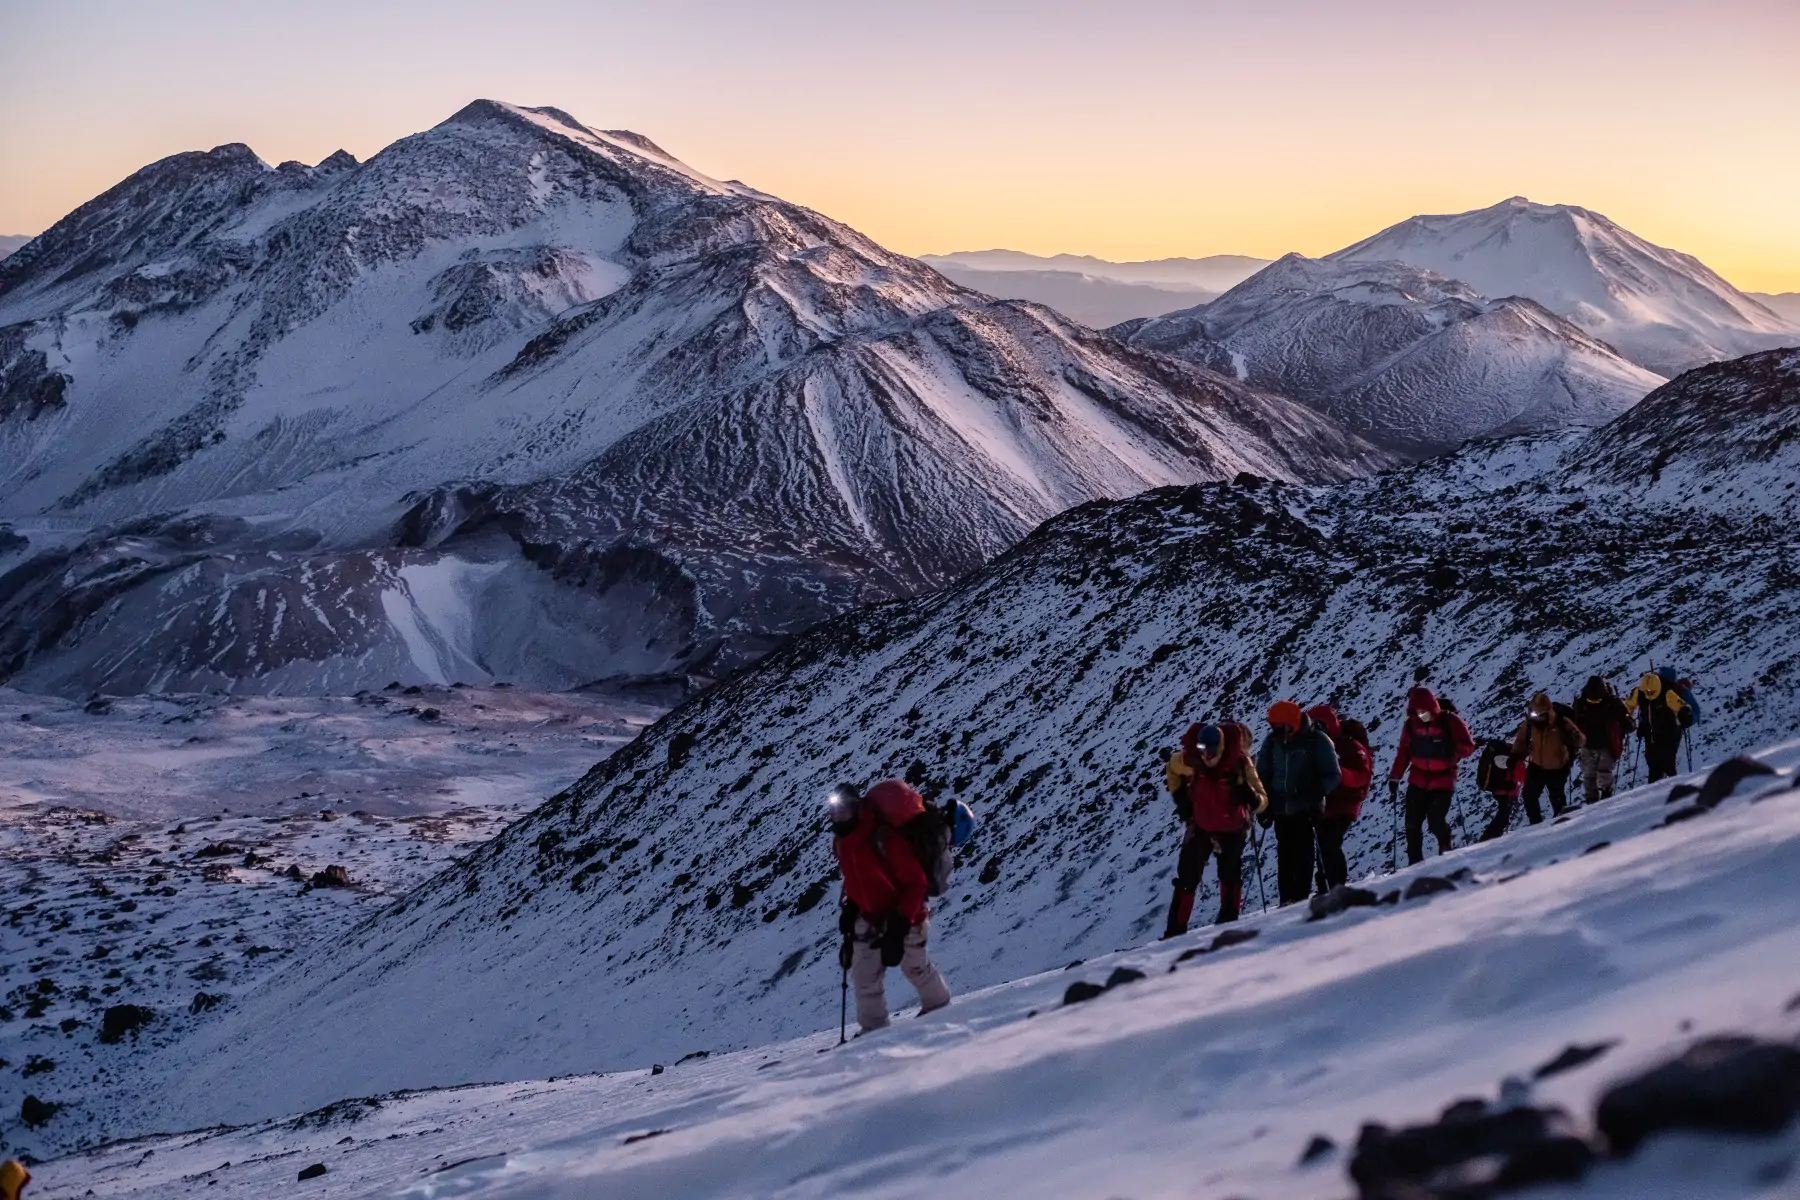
column 1307, row 781
column 1309, row 778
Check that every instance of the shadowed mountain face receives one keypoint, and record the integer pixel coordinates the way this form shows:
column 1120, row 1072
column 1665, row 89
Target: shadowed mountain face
column 524, row 399
column 1405, row 357
column 683, row 887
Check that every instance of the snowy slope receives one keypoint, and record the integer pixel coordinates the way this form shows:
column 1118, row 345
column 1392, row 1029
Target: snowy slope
column 1405, row 357
column 1213, row 1074
column 521, row 398
column 682, row 887
column 1662, row 309
column 149, row 848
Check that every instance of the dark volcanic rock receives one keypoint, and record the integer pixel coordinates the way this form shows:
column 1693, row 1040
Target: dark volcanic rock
column 122, row 1019
column 1329, row 904
column 1470, row 1152
column 1727, row 1084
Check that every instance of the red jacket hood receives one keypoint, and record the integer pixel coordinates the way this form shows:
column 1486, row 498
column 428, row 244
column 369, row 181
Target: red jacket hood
column 1326, row 718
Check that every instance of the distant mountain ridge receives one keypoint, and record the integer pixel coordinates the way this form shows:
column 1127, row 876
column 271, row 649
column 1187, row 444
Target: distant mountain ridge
column 1782, row 304
column 1094, row 291
column 11, row 241
column 1405, row 357
column 1664, row 310
column 521, row 399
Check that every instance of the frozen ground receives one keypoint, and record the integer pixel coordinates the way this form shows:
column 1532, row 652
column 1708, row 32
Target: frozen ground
column 1614, row 927
column 160, row 853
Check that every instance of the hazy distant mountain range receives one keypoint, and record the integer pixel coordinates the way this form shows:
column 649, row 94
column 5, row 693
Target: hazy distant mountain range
column 12, row 241
column 1786, row 304
column 1092, row 290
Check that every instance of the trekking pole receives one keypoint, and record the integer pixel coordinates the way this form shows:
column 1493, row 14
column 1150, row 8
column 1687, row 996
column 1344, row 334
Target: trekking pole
column 1261, row 888
column 844, row 1007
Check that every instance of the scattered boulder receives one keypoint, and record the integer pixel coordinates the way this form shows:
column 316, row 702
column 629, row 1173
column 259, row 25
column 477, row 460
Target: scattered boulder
column 203, row 1002
column 1471, row 1150
column 312, row 1172
column 1231, row 935
column 1082, row 990
column 216, row 850
column 99, row 706
column 121, row 1019
column 1726, row 1084
column 1726, row 776
column 332, row 876
column 37, row 1113
column 1572, row 1056
column 293, row 872
column 1337, row 900
column 1428, row 885
column 1684, row 814
column 1681, row 791
column 1595, row 848
column 430, row 714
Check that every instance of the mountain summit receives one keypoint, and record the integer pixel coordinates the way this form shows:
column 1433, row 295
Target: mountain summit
column 519, row 398
column 1664, row 310
column 1404, row 356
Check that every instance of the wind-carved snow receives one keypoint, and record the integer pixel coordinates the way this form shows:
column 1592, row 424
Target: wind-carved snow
column 524, row 342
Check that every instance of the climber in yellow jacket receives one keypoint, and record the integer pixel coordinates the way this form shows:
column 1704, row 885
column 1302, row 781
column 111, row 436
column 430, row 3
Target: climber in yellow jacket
column 13, row 1178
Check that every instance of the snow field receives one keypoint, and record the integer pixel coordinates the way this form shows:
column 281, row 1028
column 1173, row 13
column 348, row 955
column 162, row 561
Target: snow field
column 146, row 851
column 1208, row 1076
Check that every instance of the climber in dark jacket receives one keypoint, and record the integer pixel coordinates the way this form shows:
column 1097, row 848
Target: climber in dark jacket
column 1299, row 768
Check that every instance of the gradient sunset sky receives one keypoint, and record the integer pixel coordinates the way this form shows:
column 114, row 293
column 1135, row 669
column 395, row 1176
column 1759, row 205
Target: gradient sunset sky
column 1130, row 129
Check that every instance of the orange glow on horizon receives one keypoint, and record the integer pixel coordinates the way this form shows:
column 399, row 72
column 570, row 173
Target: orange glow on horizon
column 1156, row 129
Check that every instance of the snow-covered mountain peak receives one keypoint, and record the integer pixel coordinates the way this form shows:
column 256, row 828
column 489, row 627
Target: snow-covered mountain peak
column 674, row 418
column 1663, row 309
column 1406, row 356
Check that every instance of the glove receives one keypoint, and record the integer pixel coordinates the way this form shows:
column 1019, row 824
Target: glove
column 1393, row 791
column 847, row 918
column 893, row 941
column 846, row 952
column 1264, row 819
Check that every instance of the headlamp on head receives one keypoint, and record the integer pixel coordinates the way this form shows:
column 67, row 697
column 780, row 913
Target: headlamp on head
column 841, row 804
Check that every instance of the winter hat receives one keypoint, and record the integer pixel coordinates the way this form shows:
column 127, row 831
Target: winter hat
column 1594, row 689
column 1210, row 738
column 1285, row 712
column 1541, row 708
column 1423, row 700
column 1651, row 684
column 1326, row 718
column 896, row 801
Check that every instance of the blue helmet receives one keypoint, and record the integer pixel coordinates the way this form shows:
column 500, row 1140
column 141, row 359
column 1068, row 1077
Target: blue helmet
column 963, row 827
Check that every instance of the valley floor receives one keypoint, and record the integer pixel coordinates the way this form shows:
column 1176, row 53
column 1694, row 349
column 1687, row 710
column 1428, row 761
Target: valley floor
column 161, row 853
column 1613, row 928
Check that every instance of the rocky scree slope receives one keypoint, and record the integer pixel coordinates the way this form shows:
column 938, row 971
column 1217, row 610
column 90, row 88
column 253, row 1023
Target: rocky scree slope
column 1405, row 357
column 518, row 397
column 684, row 887
column 1662, row 309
